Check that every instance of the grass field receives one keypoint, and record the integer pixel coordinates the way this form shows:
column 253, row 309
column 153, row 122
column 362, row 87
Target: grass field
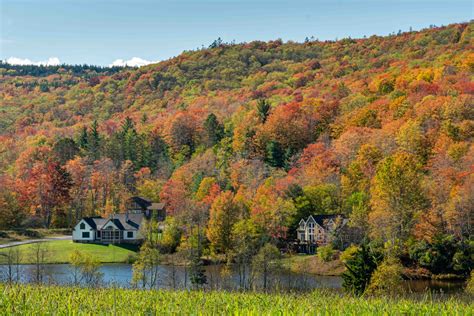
column 59, row 251
column 38, row 300
column 313, row 264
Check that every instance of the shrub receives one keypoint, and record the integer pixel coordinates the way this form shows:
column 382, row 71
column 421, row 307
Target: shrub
column 386, row 279
column 326, row 253
column 470, row 284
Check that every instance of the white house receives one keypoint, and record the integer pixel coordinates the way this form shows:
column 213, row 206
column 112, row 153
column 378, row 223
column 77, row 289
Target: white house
column 119, row 228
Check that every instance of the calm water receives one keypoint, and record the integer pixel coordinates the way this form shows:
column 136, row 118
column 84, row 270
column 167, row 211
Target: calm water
column 178, row 278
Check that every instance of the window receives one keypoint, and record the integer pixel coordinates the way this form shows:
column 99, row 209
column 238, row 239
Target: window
column 129, row 234
column 98, row 234
column 82, row 226
column 311, row 231
column 86, row 234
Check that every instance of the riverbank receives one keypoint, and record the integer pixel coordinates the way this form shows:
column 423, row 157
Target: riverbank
column 25, row 299
column 59, row 251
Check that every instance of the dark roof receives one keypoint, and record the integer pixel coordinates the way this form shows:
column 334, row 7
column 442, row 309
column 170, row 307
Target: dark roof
column 322, row 219
column 143, row 202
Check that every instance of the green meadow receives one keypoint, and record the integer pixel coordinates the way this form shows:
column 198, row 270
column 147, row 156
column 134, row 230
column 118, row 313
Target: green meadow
column 59, row 251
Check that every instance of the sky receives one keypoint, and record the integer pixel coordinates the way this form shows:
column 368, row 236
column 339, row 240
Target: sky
column 137, row 32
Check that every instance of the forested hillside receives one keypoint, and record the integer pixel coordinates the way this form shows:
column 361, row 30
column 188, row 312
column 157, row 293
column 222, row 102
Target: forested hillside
column 249, row 138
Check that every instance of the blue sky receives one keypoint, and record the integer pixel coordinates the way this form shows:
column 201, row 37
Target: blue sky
column 103, row 31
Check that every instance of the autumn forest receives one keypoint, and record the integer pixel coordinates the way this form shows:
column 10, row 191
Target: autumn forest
column 247, row 139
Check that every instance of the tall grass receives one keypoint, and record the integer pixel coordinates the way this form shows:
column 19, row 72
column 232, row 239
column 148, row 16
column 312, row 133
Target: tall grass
column 42, row 300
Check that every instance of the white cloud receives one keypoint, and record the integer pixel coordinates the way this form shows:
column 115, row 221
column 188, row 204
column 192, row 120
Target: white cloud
column 52, row 61
column 133, row 62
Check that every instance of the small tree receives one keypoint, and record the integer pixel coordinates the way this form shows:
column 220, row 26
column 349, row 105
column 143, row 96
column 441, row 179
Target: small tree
column 40, row 252
column 146, row 268
column 245, row 242
column 171, row 236
column 12, row 265
column 90, row 272
column 85, row 269
column 266, row 262
column 76, row 258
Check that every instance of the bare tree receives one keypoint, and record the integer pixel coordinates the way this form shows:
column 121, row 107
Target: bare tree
column 40, row 251
column 12, row 265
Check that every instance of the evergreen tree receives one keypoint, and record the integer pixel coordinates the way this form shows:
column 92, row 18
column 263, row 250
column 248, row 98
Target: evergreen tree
column 263, row 109
column 94, row 142
column 275, row 154
column 359, row 269
column 214, row 129
column 83, row 141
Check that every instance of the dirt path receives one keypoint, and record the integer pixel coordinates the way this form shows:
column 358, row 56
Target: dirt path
column 31, row 241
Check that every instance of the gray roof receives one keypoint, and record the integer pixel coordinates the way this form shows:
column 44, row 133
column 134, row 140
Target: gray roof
column 156, row 206
column 123, row 223
column 133, row 221
column 95, row 221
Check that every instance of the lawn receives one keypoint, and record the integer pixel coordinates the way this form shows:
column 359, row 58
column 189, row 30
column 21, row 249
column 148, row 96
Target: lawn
column 313, row 264
column 59, row 251
column 54, row 300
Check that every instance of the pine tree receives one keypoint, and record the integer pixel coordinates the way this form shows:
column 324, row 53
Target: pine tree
column 275, row 154
column 214, row 129
column 94, row 142
column 263, row 109
column 83, row 141
column 359, row 269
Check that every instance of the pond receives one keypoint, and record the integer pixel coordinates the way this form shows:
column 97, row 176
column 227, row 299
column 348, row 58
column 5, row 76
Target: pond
column 177, row 277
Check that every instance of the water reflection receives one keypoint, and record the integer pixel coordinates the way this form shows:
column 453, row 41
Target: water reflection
column 177, row 277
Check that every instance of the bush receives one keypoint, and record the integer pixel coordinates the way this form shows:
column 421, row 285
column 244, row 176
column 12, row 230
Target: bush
column 470, row 284
column 326, row 253
column 386, row 279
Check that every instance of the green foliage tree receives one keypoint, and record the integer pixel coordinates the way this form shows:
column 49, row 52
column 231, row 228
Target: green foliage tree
column 246, row 240
column 171, row 237
column 263, row 109
column 214, row 129
column 94, row 142
column 397, row 197
column 275, row 155
column 359, row 269
column 65, row 149
column 224, row 214
column 266, row 262
column 146, row 267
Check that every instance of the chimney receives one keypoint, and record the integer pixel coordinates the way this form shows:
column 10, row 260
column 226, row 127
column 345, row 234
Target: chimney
column 126, row 216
